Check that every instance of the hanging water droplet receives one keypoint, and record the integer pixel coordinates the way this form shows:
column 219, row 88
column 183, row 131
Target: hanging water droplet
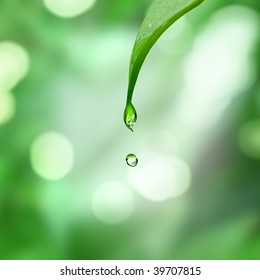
column 131, row 160
column 130, row 116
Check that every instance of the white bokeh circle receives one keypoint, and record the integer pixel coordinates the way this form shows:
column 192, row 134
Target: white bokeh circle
column 112, row 203
column 52, row 155
column 68, row 8
column 7, row 106
column 159, row 177
column 14, row 64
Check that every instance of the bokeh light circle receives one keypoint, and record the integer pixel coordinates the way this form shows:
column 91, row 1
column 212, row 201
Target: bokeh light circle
column 112, row 203
column 68, row 8
column 14, row 64
column 249, row 138
column 161, row 177
column 7, row 106
column 52, row 156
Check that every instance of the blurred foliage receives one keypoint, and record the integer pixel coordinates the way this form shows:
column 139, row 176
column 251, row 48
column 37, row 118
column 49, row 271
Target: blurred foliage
column 76, row 85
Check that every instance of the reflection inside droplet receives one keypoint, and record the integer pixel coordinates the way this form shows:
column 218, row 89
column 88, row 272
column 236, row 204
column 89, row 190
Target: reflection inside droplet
column 131, row 160
column 130, row 116
column 131, row 122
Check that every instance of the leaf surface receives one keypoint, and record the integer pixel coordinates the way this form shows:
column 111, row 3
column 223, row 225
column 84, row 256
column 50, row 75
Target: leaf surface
column 160, row 15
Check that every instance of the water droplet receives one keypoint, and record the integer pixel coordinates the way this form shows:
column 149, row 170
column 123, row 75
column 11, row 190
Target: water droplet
column 130, row 116
column 131, row 160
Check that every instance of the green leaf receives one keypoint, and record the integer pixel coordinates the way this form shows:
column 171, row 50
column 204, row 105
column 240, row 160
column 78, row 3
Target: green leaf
column 160, row 15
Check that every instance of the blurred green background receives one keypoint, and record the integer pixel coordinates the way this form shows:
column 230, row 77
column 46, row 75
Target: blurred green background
column 65, row 189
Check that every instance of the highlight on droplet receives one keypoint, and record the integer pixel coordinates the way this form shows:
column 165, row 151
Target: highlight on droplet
column 7, row 106
column 14, row 64
column 52, row 155
column 68, row 8
column 112, row 203
column 161, row 177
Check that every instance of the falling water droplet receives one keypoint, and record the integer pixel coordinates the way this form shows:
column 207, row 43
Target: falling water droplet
column 130, row 116
column 131, row 160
